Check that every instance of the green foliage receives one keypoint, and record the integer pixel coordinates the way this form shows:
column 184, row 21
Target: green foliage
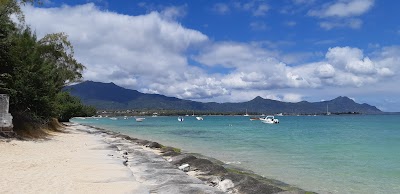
column 34, row 72
column 69, row 106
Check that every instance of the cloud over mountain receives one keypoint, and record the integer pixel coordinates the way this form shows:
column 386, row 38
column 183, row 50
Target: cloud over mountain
column 155, row 53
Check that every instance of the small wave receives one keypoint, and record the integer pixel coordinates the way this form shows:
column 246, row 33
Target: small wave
column 233, row 162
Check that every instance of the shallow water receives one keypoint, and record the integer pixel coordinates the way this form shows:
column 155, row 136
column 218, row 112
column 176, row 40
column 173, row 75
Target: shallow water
column 325, row 154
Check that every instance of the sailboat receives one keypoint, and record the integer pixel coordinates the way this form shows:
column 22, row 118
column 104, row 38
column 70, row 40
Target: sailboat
column 327, row 112
column 246, row 115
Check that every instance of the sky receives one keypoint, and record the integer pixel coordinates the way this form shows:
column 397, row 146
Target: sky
column 233, row 51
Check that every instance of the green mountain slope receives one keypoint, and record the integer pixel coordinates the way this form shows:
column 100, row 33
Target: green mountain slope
column 112, row 97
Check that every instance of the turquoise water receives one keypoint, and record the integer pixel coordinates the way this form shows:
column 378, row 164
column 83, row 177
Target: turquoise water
column 325, row 154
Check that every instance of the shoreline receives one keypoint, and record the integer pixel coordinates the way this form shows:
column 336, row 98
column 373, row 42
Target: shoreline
column 89, row 159
column 225, row 177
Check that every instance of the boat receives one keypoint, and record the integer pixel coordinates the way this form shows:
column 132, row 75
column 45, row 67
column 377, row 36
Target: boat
column 180, row 119
column 269, row 120
column 327, row 112
column 279, row 114
column 246, row 115
column 113, row 118
column 139, row 119
column 254, row 118
column 199, row 118
column 155, row 114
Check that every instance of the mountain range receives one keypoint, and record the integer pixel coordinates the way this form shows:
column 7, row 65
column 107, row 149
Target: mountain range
column 108, row 96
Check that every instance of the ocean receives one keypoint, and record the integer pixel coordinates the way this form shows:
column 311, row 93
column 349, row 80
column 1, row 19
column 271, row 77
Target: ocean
column 324, row 154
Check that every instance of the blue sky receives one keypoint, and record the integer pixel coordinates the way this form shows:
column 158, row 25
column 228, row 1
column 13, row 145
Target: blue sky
column 232, row 51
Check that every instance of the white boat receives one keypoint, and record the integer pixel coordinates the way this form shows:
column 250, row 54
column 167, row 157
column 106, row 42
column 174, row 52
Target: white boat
column 155, row 114
column 113, row 118
column 180, row 119
column 139, row 119
column 327, row 112
column 269, row 119
column 246, row 115
column 199, row 118
column 279, row 114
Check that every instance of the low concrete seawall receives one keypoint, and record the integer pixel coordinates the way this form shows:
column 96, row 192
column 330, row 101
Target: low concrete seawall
column 5, row 117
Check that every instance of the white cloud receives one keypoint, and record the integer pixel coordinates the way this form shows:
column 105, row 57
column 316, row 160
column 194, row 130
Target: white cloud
column 342, row 13
column 257, row 8
column 151, row 53
column 351, row 23
column 140, row 52
column 351, row 59
column 261, row 10
column 221, row 8
column 291, row 97
column 325, row 71
column 258, row 26
column 233, row 54
column 343, row 8
column 174, row 12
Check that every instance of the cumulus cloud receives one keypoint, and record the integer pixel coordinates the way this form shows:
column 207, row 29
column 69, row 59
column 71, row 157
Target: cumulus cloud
column 351, row 59
column 153, row 53
column 133, row 51
column 325, row 71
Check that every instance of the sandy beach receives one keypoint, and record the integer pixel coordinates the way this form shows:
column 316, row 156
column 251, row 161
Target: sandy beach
column 85, row 159
column 82, row 161
column 72, row 162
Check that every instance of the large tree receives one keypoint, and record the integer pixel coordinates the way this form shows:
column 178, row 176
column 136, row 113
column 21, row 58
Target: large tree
column 34, row 71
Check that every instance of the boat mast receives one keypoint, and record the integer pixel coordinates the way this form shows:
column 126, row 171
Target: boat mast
column 327, row 112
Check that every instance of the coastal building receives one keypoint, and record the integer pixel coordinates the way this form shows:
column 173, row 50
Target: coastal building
column 5, row 117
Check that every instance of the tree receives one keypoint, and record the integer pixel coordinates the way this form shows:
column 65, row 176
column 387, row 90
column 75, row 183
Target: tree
column 34, row 72
column 69, row 106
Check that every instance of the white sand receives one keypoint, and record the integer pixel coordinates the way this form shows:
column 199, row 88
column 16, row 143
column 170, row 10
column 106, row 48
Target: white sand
column 74, row 162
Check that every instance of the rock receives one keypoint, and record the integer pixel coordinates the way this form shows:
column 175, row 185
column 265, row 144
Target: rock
column 225, row 185
column 184, row 167
column 153, row 145
column 247, row 184
column 184, row 158
column 125, row 137
column 207, row 166
column 170, row 151
column 141, row 141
